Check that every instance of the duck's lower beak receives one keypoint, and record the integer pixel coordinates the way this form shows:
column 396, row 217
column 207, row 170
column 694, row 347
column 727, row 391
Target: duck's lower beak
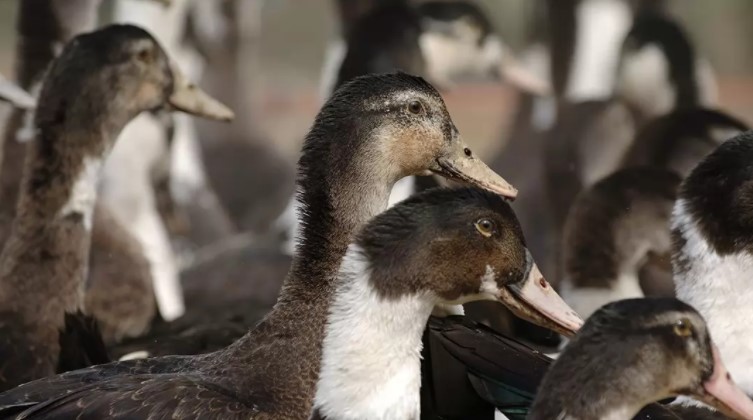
column 15, row 95
column 189, row 98
column 535, row 300
column 458, row 163
column 720, row 392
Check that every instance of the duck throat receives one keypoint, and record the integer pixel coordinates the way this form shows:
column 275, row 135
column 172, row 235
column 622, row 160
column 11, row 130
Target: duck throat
column 718, row 285
column 371, row 357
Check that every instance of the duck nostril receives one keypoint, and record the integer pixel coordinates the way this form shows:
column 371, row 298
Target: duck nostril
column 542, row 282
column 467, row 152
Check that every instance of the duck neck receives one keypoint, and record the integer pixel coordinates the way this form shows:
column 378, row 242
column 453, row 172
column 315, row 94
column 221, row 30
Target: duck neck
column 47, row 252
column 371, row 357
column 340, row 189
column 43, row 28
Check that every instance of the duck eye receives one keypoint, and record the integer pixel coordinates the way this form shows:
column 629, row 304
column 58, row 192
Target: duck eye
column 682, row 328
column 145, row 55
column 415, row 107
column 485, row 227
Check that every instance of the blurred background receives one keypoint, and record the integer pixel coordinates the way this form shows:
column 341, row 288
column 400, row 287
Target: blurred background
column 284, row 72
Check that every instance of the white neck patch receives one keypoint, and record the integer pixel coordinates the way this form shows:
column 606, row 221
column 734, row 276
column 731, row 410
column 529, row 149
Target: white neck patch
column 643, row 81
column 83, row 195
column 719, row 287
column 371, row 362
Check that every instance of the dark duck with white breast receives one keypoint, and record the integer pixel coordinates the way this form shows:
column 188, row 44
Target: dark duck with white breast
column 372, row 132
column 712, row 231
column 100, row 82
column 634, row 352
column 439, row 247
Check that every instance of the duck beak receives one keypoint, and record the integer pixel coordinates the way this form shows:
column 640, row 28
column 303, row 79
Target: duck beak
column 455, row 164
column 187, row 97
column 720, row 392
column 15, row 95
column 535, row 300
column 513, row 71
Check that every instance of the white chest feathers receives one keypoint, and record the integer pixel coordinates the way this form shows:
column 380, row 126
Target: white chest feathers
column 371, row 366
column 721, row 289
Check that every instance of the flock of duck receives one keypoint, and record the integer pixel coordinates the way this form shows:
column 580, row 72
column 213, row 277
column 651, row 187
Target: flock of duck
column 639, row 202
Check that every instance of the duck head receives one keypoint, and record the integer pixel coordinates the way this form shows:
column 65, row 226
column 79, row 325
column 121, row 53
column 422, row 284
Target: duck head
column 634, row 352
column 458, row 41
column 659, row 69
column 123, row 70
column 396, row 125
column 462, row 245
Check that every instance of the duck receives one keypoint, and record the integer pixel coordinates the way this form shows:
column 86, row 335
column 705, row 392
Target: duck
column 34, row 51
column 633, row 352
column 45, row 259
column 375, row 130
column 611, row 232
column 392, row 276
column 710, row 254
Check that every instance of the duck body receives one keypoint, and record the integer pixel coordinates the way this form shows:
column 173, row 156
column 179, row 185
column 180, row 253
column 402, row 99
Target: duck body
column 611, row 230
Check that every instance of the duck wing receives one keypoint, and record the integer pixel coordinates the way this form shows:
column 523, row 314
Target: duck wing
column 141, row 397
column 39, row 391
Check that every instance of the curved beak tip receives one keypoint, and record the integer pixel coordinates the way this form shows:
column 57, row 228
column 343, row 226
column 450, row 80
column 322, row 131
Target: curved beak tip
column 721, row 392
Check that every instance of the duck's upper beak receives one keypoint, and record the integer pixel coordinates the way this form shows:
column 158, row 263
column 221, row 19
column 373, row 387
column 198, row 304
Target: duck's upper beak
column 512, row 71
column 535, row 300
column 15, row 95
column 189, row 98
column 720, row 392
column 458, row 163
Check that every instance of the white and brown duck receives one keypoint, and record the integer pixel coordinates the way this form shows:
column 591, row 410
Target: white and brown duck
column 101, row 81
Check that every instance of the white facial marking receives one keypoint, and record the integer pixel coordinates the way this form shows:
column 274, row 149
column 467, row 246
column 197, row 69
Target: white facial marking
column 643, row 81
column 719, row 287
column 83, row 195
column 371, row 366
column 489, row 284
